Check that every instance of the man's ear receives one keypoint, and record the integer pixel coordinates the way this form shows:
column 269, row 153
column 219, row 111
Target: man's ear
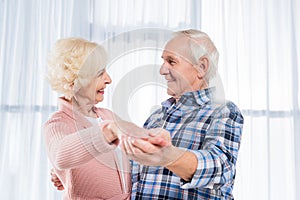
column 203, row 66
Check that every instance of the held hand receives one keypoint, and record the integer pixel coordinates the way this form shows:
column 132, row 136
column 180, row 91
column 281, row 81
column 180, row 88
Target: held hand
column 155, row 151
column 56, row 181
column 108, row 134
column 121, row 127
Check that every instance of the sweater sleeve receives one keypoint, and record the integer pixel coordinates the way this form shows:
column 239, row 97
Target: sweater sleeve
column 68, row 150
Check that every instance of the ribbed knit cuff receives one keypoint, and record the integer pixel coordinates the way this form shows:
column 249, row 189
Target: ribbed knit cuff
column 100, row 142
column 104, row 123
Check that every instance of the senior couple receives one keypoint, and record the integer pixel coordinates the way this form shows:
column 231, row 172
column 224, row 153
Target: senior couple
column 187, row 149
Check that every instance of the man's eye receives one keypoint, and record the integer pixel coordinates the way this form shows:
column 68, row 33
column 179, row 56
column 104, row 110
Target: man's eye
column 171, row 62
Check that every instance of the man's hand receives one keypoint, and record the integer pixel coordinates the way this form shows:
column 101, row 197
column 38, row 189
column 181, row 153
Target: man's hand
column 157, row 150
column 56, row 181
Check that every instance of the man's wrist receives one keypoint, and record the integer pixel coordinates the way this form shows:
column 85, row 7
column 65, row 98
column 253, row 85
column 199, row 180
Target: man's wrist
column 185, row 166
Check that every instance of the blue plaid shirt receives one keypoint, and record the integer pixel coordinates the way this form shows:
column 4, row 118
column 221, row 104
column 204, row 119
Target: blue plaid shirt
column 210, row 130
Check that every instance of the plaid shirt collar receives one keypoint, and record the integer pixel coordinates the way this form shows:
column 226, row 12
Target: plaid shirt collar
column 188, row 101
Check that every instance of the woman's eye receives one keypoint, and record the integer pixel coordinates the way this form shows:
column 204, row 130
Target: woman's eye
column 100, row 74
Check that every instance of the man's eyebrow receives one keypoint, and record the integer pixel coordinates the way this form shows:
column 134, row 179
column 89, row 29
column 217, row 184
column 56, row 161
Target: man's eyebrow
column 169, row 57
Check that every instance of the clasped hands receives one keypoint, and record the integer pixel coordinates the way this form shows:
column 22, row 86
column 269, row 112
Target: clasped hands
column 151, row 147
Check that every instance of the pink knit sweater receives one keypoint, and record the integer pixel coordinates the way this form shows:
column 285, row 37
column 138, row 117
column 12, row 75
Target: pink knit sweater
column 85, row 163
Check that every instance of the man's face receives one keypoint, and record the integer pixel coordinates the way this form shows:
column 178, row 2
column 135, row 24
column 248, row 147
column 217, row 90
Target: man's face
column 180, row 73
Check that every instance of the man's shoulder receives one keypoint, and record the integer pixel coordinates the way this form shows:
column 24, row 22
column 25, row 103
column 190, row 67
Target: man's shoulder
column 226, row 109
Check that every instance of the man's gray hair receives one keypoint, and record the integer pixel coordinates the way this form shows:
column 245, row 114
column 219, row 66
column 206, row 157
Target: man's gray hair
column 201, row 45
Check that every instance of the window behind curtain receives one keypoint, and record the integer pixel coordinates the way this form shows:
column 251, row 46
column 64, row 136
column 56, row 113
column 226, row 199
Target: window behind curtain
column 258, row 44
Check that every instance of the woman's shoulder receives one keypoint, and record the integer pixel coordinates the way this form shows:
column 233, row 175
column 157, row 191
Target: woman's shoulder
column 58, row 124
column 58, row 116
column 107, row 114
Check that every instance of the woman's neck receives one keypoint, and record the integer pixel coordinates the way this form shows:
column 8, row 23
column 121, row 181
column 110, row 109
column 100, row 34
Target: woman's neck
column 83, row 106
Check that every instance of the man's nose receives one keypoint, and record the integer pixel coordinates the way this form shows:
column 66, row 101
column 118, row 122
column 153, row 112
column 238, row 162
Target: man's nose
column 164, row 70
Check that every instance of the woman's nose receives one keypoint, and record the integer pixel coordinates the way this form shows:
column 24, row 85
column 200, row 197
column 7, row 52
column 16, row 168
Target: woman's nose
column 107, row 78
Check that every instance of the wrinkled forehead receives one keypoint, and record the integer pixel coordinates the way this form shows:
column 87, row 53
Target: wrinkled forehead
column 180, row 47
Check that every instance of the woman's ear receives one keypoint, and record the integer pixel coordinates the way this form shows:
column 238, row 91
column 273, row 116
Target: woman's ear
column 203, row 66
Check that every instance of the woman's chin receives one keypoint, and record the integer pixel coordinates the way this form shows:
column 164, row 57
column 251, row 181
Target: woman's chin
column 99, row 99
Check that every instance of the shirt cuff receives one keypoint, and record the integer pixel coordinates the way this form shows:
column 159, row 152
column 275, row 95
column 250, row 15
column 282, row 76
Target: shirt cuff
column 194, row 180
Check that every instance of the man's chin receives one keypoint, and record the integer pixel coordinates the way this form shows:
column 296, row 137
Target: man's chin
column 171, row 92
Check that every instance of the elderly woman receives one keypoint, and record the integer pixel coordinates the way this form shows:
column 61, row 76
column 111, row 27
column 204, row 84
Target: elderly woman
column 84, row 158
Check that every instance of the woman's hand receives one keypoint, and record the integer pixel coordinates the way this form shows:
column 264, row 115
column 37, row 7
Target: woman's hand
column 114, row 131
column 56, row 181
column 118, row 128
column 110, row 136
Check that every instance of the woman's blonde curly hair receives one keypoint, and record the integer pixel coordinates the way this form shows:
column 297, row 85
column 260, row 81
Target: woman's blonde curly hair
column 72, row 63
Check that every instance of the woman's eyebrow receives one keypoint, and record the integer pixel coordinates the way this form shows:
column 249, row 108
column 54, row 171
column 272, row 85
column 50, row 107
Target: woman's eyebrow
column 100, row 71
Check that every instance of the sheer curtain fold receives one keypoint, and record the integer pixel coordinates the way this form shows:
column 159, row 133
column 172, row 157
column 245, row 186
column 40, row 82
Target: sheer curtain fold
column 29, row 29
column 295, row 56
column 259, row 64
column 259, row 50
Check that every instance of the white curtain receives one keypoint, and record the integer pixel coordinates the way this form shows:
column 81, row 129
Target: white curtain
column 259, row 46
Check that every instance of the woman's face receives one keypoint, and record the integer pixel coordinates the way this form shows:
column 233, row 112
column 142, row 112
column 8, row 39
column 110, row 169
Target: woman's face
column 101, row 81
column 97, row 86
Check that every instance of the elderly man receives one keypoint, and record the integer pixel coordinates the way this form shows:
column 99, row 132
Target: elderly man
column 202, row 134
